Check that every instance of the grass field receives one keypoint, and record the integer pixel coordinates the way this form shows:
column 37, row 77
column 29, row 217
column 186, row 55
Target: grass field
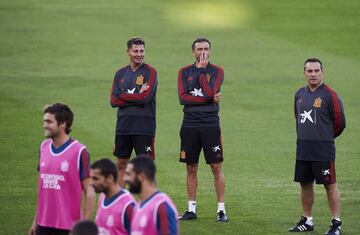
column 68, row 51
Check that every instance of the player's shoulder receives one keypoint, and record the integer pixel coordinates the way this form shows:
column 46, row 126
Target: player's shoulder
column 163, row 197
column 77, row 144
column 186, row 67
column 121, row 70
column 329, row 90
column 165, row 200
column 149, row 67
column 301, row 90
column 45, row 142
column 125, row 192
column 216, row 67
column 75, row 141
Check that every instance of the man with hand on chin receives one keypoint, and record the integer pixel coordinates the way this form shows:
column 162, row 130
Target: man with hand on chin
column 199, row 92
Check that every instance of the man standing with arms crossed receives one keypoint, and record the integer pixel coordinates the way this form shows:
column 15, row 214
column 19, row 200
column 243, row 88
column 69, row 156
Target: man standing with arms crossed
column 320, row 119
column 199, row 92
column 133, row 93
column 115, row 206
column 64, row 172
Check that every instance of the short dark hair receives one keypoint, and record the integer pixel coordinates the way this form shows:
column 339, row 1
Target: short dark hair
column 107, row 167
column 143, row 164
column 313, row 60
column 135, row 41
column 63, row 114
column 84, row 227
column 200, row 39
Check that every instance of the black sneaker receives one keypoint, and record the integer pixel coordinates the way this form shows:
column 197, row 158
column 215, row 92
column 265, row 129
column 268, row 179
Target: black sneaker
column 188, row 215
column 302, row 226
column 221, row 217
column 334, row 228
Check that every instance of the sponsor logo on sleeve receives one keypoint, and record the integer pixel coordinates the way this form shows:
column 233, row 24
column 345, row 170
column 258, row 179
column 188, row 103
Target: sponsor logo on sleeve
column 197, row 92
column 131, row 91
column 147, row 149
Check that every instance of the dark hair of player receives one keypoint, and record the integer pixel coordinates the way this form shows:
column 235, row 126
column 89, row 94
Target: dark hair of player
column 313, row 60
column 200, row 39
column 135, row 41
column 107, row 167
column 143, row 164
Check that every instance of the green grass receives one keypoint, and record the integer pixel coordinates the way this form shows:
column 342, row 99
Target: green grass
column 69, row 50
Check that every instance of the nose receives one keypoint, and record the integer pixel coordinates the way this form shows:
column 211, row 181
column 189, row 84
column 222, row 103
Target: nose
column 313, row 74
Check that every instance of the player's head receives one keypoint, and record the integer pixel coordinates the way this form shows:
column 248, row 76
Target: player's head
column 58, row 118
column 139, row 170
column 135, row 41
column 313, row 71
column 84, row 227
column 136, row 50
column 313, row 60
column 200, row 40
column 199, row 46
column 104, row 174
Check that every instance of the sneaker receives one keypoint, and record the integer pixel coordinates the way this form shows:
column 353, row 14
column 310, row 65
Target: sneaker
column 334, row 228
column 302, row 226
column 221, row 217
column 188, row 215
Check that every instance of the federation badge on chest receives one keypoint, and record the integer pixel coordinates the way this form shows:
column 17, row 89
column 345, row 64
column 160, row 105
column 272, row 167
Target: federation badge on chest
column 110, row 221
column 143, row 221
column 317, row 102
column 140, row 80
column 208, row 77
column 64, row 166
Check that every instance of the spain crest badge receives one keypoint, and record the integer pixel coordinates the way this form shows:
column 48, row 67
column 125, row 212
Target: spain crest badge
column 317, row 102
column 208, row 77
column 182, row 154
column 140, row 80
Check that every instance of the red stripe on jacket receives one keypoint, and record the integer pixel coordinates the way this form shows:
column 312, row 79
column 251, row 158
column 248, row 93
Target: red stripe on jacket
column 211, row 92
column 337, row 110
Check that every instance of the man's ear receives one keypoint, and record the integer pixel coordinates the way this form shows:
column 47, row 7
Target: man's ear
column 110, row 178
column 142, row 176
column 62, row 125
